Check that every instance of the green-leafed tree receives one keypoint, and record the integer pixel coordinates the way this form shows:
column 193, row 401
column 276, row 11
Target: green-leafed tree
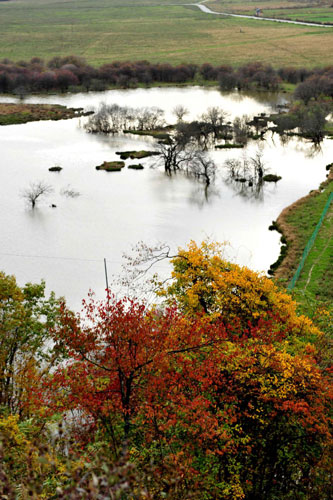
column 26, row 354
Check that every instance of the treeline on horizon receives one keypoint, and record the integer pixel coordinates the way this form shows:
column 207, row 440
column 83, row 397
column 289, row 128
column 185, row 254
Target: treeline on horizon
column 72, row 73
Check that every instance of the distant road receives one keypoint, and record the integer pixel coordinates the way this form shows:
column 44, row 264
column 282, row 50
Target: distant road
column 207, row 10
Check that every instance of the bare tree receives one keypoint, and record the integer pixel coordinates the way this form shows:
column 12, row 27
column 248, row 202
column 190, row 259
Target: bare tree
column 112, row 119
column 246, row 175
column 138, row 276
column 203, row 167
column 69, row 192
column 149, row 118
column 180, row 111
column 215, row 117
column 241, row 129
column 176, row 155
column 233, row 167
column 35, row 191
column 258, row 166
column 197, row 132
column 238, row 169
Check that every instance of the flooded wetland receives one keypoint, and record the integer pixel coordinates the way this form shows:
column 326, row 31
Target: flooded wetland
column 91, row 215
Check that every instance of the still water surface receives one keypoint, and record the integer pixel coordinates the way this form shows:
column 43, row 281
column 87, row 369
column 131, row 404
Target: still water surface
column 66, row 245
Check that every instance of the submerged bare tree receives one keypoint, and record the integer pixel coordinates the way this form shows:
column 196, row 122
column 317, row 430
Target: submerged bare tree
column 112, row 119
column 185, row 151
column 35, row 192
column 203, row 167
column 216, row 118
column 241, row 129
column 69, row 191
column 175, row 155
column 196, row 132
column 246, row 175
column 238, row 169
column 180, row 111
column 148, row 118
column 258, row 166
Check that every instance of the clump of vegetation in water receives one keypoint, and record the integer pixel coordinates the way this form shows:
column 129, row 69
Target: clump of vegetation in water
column 111, row 166
column 308, row 120
column 229, row 145
column 135, row 155
column 136, row 167
column 271, row 178
column 157, row 134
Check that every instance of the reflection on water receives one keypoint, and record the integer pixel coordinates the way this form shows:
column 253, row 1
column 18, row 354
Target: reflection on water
column 66, row 245
column 314, row 150
column 202, row 195
column 195, row 99
column 247, row 190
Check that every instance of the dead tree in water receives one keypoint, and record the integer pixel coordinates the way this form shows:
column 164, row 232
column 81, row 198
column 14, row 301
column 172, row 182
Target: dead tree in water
column 35, row 191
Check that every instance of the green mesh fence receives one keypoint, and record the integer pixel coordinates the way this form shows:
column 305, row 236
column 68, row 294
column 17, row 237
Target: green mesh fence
column 310, row 243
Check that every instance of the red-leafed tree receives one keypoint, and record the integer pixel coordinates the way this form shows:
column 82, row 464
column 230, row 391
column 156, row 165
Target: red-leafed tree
column 115, row 357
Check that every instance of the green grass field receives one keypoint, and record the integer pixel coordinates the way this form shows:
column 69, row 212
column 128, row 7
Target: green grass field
column 316, row 278
column 313, row 290
column 300, row 10
column 108, row 30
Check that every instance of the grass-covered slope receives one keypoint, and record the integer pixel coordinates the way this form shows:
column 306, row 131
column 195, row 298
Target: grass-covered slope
column 297, row 223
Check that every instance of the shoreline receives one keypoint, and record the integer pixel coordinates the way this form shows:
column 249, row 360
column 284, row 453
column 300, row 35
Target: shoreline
column 292, row 246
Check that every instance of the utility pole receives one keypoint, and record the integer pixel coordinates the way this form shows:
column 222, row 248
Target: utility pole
column 106, row 275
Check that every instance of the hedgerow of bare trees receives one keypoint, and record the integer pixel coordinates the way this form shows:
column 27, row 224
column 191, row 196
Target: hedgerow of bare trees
column 112, row 119
column 74, row 74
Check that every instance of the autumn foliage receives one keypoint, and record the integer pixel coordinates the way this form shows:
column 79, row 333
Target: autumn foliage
column 216, row 393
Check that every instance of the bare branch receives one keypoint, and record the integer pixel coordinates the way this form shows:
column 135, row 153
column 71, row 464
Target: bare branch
column 180, row 111
column 35, row 191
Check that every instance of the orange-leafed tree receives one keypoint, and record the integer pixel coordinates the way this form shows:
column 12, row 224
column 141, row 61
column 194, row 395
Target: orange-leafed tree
column 204, row 282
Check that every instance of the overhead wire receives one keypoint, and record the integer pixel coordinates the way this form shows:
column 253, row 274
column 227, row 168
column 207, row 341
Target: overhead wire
column 52, row 257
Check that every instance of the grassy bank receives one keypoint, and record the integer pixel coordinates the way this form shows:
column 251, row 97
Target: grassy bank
column 297, row 223
column 107, row 30
column 12, row 114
